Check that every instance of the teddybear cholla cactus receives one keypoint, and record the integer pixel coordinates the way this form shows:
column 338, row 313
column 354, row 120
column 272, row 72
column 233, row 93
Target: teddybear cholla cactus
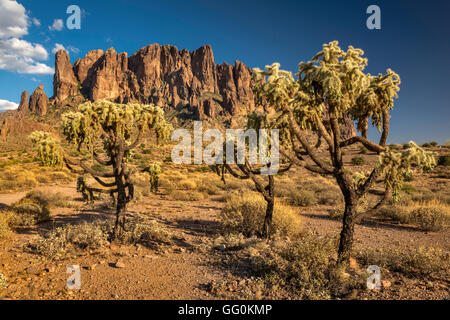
column 48, row 149
column 329, row 89
column 116, row 129
column 154, row 170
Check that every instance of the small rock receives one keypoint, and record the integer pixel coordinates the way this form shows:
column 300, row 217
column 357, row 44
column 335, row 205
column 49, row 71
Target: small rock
column 119, row 264
column 180, row 250
column 50, row 269
column 353, row 264
column 345, row 275
column 220, row 247
column 386, row 283
column 32, row 270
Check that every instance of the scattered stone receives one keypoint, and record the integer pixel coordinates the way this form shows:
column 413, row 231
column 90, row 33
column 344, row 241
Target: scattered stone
column 119, row 264
column 32, row 270
column 386, row 283
column 353, row 264
column 221, row 247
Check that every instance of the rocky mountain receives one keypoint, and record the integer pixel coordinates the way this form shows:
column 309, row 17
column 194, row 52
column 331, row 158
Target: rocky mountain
column 157, row 74
column 161, row 74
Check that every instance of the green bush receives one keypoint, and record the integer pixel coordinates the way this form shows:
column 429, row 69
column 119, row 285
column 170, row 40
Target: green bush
column 358, row 161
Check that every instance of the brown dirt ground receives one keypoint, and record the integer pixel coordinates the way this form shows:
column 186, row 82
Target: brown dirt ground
column 185, row 270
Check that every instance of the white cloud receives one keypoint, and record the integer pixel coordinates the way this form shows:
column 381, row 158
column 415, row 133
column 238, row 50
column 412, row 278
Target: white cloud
column 73, row 49
column 23, row 48
column 13, row 19
column 57, row 48
column 57, row 25
column 18, row 55
column 36, row 22
column 22, row 64
column 7, row 105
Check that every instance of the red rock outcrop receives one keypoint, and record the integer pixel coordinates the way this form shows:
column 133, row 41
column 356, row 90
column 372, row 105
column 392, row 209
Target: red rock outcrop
column 157, row 74
column 65, row 84
column 38, row 101
column 23, row 105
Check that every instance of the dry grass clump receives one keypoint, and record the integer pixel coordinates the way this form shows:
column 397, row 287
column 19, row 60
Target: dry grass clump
column 3, row 281
column 428, row 215
column 431, row 218
column 180, row 195
column 16, row 178
column 62, row 241
column 187, row 184
column 418, row 262
column 244, row 213
column 19, row 177
column 303, row 198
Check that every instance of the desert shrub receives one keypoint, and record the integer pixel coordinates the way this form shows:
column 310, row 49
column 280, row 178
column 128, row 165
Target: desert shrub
column 180, row 195
column 337, row 212
column 430, row 218
column 426, row 145
column 244, row 213
column 3, row 281
column 303, row 198
column 30, row 210
column 148, row 233
column 282, row 189
column 328, row 195
column 409, row 189
column 433, row 143
column 396, row 213
column 417, row 262
column 307, row 268
column 61, row 241
column 358, row 161
column 444, row 160
column 209, row 188
column 15, row 178
column 5, row 217
column 187, row 184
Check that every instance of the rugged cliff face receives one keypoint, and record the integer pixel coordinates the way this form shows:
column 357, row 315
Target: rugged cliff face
column 157, row 74
column 162, row 75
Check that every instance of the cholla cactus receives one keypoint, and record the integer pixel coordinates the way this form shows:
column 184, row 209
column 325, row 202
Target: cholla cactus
column 327, row 91
column 154, row 170
column 395, row 165
column 119, row 128
column 48, row 149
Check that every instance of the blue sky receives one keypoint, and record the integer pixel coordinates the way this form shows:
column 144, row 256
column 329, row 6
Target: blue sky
column 414, row 41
